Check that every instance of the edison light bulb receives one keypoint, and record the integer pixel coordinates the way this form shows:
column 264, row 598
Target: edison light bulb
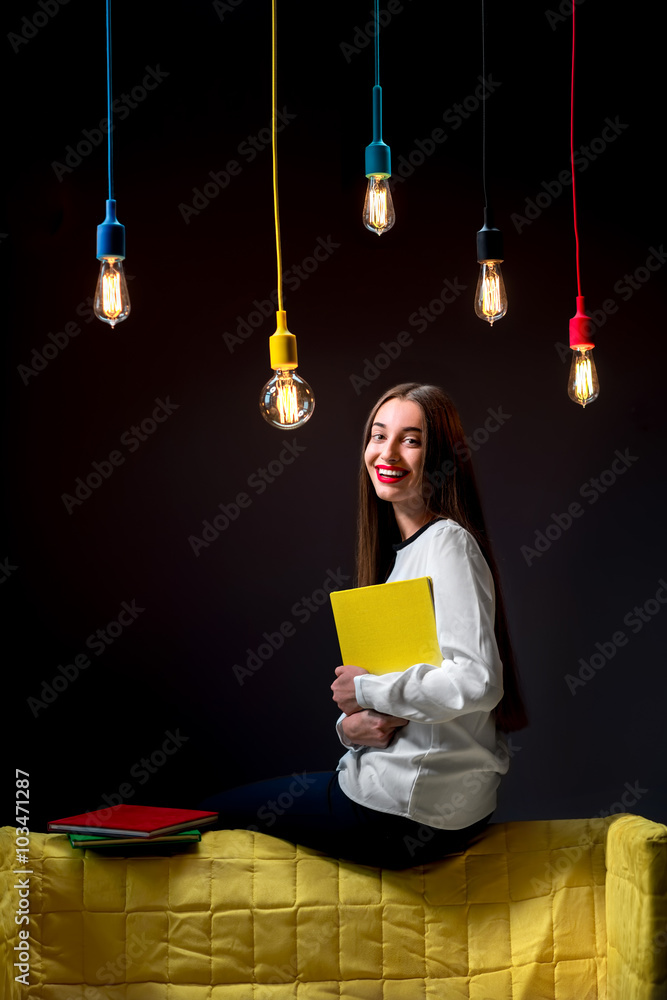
column 490, row 294
column 286, row 401
column 583, row 386
column 112, row 301
column 378, row 207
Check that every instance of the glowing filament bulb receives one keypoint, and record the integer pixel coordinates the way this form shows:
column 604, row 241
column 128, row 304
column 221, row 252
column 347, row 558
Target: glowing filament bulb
column 490, row 295
column 111, row 294
column 379, row 214
column 286, row 401
column 112, row 301
column 583, row 386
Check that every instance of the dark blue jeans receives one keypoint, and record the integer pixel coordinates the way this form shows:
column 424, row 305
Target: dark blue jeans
column 311, row 809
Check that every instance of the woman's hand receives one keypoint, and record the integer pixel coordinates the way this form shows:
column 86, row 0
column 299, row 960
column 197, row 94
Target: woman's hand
column 371, row 729
column 343, row 689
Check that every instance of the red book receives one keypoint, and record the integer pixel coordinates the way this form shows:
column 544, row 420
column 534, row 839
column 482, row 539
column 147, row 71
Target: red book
column 133, row 821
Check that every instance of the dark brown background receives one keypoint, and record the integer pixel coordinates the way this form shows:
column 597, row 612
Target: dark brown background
column 172, row 669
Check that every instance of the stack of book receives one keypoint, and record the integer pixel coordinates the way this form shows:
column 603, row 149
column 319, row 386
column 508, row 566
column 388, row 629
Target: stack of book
column 133, row 825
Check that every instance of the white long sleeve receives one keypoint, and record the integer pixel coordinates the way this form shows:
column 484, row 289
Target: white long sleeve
column 469, row 678
column 444, row 767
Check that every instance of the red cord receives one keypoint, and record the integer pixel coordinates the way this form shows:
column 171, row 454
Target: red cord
column 574, row 194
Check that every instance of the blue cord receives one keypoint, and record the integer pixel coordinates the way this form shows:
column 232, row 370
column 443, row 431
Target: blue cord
column 377, row 43
column 109, row 106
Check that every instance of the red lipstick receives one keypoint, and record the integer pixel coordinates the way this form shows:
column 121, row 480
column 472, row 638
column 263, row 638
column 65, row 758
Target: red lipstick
column 389, row 473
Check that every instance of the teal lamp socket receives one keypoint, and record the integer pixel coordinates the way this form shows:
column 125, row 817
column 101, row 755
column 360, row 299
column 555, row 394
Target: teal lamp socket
column 378, row 214
column 111, row 235
column 112, row 301
column 378, row 154
column 378, row 160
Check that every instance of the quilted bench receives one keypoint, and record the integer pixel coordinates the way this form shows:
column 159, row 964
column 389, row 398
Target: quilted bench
column 540, row 910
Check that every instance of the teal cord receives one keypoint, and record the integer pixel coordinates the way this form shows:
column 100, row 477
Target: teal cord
column 377, row 43
column 109, row 107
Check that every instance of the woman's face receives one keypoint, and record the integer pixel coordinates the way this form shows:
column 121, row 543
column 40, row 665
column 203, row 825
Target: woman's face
column 394, row 454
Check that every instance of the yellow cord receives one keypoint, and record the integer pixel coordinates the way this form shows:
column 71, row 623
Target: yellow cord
column 279, row 257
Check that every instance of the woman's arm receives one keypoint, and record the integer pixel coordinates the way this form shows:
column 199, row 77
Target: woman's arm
column 469, row 678
column 344, row 692
column 369, row 729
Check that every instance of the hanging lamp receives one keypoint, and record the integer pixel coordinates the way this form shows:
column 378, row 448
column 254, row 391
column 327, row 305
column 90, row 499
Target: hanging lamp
column 583, row 387
column 490, row 294
column 286, row 401
column 112, row 301
column 378, row 213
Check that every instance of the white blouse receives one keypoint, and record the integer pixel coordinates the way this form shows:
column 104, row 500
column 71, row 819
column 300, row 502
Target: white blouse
column 444, row 767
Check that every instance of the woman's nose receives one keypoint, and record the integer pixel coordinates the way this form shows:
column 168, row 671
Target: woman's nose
column 389, row 452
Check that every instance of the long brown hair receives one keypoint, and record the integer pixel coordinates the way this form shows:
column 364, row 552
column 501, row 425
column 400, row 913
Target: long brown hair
column 449, row 490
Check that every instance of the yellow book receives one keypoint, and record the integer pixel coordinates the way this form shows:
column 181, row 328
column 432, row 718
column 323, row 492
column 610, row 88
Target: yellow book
column 387, row 627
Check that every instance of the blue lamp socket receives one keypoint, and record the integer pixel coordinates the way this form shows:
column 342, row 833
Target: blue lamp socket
column 378, row 154
column 111, row 235
column 378, row 160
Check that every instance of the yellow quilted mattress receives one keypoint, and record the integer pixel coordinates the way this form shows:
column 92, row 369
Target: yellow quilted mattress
column 519, row 916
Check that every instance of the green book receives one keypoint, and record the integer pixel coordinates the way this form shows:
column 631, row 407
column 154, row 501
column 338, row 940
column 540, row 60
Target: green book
column 87, row 840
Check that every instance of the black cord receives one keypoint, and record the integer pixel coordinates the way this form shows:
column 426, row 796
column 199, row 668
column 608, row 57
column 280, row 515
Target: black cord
column 484, row 106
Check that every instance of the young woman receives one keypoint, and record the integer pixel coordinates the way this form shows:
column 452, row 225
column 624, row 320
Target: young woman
column 424, row 760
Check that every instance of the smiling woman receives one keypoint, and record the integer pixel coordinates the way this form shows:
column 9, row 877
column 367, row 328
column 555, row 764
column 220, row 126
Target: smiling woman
column 394, row 462
column 424, row 759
